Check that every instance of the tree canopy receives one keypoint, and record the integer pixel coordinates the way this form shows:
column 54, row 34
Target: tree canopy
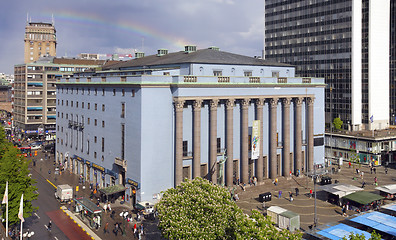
column 197, row 209
column 353, row 236
column 337, row 122
column 14, row 168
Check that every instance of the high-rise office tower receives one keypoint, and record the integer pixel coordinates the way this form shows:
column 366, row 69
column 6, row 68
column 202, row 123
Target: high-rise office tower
column 345, row 41
column 40, row 40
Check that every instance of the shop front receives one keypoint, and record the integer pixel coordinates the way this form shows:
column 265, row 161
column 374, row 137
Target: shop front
column 131, row 191
column 98, row 175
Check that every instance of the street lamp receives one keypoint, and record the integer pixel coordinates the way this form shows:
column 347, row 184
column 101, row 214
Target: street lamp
column 28, row 234
column 124, row 215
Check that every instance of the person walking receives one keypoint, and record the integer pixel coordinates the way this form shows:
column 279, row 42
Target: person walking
column 375, row 170
column 386, row 170
column 375, row 181
column 291, row 196
column 310, row 193
column 297, row 191
column 141, row 229
column 106, row 228
column 279, row 194
column 349, row 164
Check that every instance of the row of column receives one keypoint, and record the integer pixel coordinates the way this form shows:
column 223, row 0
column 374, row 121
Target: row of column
column 244, row 105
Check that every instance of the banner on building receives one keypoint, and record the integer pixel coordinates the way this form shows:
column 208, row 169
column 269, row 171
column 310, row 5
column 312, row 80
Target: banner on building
column 255, row 139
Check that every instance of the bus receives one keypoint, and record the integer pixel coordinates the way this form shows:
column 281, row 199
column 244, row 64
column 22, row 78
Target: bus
column 25, row 150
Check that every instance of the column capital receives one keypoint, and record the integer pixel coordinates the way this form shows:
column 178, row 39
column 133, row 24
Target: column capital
column 179, row 104
column 273, row 102
column 286, row 101
column 310, row 100
column 213, row 104
column 230, row 103
column 197, row 104
column 260, row 102
column 298, row 100
column 245, row 102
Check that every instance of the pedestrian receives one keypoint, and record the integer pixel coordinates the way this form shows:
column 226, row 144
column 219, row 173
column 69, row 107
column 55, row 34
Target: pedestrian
column 105, row 207
column 116, row 228
column 291, row 196
column 386, row 170
column 290, row 173
column 297, row 191
column 310, row 193
column 363, row 184
column 375, row 181
column 135, row 230
column 276, row 181
column 375, row 170
column 349, row 164
column 49, row 225
column 109, row 207
column 279, row 194
column 357, row 170
column 371, row 170
column 106, row 228
column 298, row 172
column 141, row 229
column 362, row 174
column 344, row 211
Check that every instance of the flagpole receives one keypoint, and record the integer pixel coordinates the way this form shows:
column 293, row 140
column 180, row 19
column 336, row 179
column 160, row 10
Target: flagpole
column 6, row 193
column 20, row 214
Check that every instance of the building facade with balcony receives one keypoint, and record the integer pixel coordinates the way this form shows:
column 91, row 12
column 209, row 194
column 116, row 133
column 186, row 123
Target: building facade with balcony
column 153, row 121
column 34, row 92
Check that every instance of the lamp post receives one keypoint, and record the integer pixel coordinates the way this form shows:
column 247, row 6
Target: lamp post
column 315, row 216
column 123, row 214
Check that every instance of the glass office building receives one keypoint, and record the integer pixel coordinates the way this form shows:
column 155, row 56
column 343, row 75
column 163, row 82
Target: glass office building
column 347, row 43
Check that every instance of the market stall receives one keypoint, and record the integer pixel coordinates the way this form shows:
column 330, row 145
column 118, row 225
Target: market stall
column 289, row 220
column 363, row 201
column 387, row 191
column 336, row 191
column 274, row 212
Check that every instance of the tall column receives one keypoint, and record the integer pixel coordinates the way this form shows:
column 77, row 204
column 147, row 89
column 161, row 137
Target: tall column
column 196, row 164
column 244, row 141
column 297, row 135
column 286, row 136
column 310, row 103
column 229, row 140
column 259, row 162
column 273, row 142
column 213, row 141
column 178, row 141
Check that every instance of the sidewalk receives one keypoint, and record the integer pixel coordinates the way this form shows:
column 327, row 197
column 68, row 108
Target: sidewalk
column 150, row 227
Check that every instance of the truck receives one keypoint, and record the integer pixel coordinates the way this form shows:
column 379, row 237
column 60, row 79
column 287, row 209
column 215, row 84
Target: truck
column 64, row 193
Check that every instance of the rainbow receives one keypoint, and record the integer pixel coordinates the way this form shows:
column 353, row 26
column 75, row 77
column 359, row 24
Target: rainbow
column 129, row 26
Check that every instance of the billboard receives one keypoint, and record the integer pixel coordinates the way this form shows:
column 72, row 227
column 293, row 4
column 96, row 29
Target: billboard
column 256, row 139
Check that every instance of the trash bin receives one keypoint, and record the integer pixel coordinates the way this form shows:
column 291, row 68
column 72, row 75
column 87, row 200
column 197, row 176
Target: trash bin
column 325, row 180
column 265, row 197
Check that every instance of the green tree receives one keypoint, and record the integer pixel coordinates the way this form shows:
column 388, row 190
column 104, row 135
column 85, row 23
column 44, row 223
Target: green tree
column 353, row 236
column 198, row 209
column 14, row 168
column 337, row 122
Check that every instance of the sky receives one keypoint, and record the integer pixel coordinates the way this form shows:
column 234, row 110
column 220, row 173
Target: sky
column 125, row 26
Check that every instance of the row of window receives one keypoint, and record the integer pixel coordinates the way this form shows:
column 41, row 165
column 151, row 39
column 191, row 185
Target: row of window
column 82, row 104
column 88, row 91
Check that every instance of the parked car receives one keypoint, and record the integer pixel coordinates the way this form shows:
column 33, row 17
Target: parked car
column 34, row 146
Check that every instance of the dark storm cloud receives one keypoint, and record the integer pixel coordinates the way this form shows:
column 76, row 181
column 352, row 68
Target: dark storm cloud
column 96, row 26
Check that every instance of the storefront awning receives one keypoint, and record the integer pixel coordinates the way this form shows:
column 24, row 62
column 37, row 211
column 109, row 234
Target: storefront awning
column 112, row 189
column 363, row 198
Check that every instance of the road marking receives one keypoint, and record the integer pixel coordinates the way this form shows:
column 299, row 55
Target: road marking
column 37, row 215
column 51, row 183
column 56, row 238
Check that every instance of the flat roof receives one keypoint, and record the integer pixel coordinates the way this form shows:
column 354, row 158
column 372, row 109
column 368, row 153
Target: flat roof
column 363, row 197
column 378, row 221
column 341, row 230
column 391, row 188
column 340, row 190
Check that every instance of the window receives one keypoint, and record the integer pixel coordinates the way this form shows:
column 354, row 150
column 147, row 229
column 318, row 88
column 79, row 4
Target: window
column 87, row 146
column 58, row 102
column 103, row 92
column 114, row 92
column 95, row 139
column 96, row 122
column 133, row 92
column 89, row 91
column 82, row 105
column 67, row 102
column 62, row 115
column 185, row 148
column 218, row 145
column 103, row 107
column 95, row 155
column 76, row 104
column 122, row 110
column 218, row 73
column 71, row 103
column 96, row 106
column 247, row 73
column 88, row 121
column 89, row 105
column 103, row 142
column 96, row 91
column 67, row 116
column 123, row 92
column 62, row 102
column 103, row 124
